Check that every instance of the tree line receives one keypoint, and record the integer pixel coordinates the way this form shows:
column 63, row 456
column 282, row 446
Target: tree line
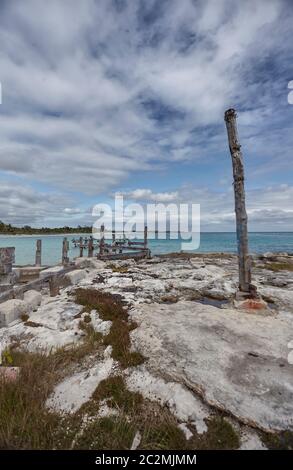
column 8, row 229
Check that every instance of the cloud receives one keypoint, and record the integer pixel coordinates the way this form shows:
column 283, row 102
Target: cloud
column 268, row 208
column 25, row 206
column 95, row 93
column 149, row 195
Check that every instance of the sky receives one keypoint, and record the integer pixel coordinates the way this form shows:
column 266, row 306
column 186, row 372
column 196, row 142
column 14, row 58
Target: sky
column 128, row 96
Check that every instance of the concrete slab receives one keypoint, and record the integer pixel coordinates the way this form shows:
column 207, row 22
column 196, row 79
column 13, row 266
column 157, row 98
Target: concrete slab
column 54, row 270
column 27, row 273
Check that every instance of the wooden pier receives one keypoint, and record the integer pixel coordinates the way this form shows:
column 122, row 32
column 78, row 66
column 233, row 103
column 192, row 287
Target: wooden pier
column 123, row 248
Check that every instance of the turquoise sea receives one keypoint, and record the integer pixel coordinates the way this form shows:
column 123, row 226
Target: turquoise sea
column 259, row 242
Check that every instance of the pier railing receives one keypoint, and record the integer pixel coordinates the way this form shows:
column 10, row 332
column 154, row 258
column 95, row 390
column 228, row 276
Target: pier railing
column 118, row 248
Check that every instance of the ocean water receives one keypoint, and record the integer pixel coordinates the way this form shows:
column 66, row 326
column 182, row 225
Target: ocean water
column 225, row 242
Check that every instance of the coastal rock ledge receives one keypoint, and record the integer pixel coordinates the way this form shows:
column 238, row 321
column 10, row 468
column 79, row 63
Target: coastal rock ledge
column 236, row 361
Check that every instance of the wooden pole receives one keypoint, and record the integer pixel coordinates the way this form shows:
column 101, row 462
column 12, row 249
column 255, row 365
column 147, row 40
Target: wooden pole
column 90, row 247
column 145, row 238
column 102, row 240
column 39, row 253
column 65, row 259
column 240, row 210
column 80, row 247
column 113, row 241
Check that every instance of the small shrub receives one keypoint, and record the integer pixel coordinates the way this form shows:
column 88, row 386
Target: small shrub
column 24, row 317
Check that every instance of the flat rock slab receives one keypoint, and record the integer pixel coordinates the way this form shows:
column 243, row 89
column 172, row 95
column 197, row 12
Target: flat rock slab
column 236, row 361
column 70, row 394
column 51, row 271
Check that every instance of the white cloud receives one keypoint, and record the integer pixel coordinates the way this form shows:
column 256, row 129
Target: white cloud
column 149, row 195
column 94, row 92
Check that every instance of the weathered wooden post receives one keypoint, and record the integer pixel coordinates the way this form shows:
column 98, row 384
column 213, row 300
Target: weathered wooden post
column 90, row 247
column 102, row 240
column 240, row 210
column 39, row 253
column 65, row 248
column 145, row 237
column 7, row 259
column 80, row 247
column 113, row 241
column 54, row 286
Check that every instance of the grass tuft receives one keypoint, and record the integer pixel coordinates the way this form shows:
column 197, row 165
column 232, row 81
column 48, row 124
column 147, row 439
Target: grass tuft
column 25, row 423
column 276, row 267
column 280, row 441
column 163, row 436
column 118, row 269
column 220, row 435
column 109, row 307
column 111, row 433
column 114, row 390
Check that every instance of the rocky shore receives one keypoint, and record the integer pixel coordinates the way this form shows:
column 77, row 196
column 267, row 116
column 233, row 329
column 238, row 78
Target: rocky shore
column 204, row 352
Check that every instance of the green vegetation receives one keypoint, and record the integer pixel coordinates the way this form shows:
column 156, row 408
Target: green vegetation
column 8, row 229
column 220, row 435
column 118, row 269
column 280, row 441
column 110, row 307
column 117, row 395
column 109, row 433
column 274, row 266
column 26, row 423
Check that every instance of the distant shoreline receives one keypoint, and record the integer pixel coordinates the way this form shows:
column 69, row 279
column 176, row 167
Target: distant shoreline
column 89, row 232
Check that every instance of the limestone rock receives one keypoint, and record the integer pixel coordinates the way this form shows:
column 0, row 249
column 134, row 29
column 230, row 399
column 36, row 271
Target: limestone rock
column 51, row 271
column 33, row 299
column 11, row 310
column 236, row 361
column 75, row 276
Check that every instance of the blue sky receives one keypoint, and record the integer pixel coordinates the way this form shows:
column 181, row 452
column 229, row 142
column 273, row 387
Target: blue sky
column 129, row 96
